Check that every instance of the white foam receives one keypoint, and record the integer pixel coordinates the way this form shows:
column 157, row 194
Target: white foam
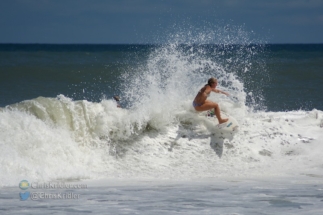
column 60, row 139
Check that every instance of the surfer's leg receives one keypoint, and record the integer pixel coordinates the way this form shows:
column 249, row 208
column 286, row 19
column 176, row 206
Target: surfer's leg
column 208, row 105
column 217, row 113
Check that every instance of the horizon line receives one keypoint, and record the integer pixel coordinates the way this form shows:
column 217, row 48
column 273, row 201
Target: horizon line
column 159, row 44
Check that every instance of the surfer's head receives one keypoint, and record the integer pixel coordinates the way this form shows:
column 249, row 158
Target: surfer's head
column 211, row 81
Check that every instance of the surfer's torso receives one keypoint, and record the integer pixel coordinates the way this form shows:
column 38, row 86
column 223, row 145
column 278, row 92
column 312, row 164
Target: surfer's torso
column 202, row 95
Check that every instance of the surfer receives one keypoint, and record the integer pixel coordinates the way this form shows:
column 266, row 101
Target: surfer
column 201, row 103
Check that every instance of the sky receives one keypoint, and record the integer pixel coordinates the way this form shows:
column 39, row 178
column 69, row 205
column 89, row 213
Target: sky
column 146, row 21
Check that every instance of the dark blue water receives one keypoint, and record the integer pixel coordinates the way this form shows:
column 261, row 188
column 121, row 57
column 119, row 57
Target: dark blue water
column 296, row 77
column 281, row 77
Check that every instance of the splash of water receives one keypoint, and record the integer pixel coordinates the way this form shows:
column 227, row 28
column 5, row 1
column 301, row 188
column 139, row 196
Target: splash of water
column 173, row 72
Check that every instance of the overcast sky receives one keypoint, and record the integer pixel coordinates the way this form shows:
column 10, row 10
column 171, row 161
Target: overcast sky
column 143, row 21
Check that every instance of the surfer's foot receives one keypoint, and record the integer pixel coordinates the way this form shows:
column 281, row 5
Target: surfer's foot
column 223, row 121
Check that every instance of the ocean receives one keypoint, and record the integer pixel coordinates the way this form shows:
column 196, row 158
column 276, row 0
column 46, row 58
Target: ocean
column 286, row 77
column 155, row 155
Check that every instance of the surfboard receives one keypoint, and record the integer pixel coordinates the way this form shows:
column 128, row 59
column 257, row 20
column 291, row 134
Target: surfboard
column 230, row 126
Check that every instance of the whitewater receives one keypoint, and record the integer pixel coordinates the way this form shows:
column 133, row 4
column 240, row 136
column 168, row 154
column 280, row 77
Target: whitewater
column 56, row 138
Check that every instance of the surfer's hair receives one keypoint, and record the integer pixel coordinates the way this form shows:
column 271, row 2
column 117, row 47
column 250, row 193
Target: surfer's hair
column 211, row 81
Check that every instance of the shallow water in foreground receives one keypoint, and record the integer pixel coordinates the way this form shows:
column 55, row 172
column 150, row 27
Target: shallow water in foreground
column 303, row 195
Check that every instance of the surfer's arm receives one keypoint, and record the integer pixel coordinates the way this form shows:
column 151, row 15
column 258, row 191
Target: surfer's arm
column 220, row 91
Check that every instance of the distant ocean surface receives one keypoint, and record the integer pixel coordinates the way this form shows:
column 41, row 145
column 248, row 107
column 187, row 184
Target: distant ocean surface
column 280, row 77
